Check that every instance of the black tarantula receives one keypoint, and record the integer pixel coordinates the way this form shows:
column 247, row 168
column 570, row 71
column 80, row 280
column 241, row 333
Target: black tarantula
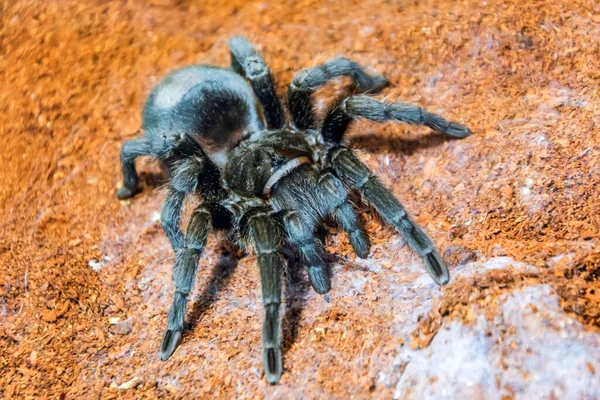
column 222, row 135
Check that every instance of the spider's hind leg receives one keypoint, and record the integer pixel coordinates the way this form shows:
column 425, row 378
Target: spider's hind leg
column 342, row 210
column 131, row 150
column 301, row 235
column 363, row 107
column 246, row 61
column 307, row 81
column 357, row 175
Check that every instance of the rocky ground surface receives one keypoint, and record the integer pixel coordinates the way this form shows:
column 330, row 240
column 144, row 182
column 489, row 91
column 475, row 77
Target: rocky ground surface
column 85, row 279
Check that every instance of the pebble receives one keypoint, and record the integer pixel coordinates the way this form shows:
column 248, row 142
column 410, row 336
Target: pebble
column 529, row 183
column 131, row 384
column 122, row 328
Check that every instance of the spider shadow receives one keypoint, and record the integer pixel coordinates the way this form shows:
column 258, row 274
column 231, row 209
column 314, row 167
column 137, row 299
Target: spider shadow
column 296, row 288
column 155, row 178
column 295, row 291
column 398, row 145
column 219, row 278
column 150, row 180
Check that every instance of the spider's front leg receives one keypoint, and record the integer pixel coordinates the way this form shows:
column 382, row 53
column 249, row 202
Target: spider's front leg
column 321, row 194
column 264, row 234
column 341, row 208
column 184, row 274
column 195, row 174
column 354, row 173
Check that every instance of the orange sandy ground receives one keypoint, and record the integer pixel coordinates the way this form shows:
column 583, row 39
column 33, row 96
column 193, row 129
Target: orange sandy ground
column 523, row 75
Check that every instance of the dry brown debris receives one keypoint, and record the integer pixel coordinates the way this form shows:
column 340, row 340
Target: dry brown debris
column 75, row 262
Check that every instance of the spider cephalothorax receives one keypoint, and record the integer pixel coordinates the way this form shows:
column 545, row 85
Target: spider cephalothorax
column 222, row 136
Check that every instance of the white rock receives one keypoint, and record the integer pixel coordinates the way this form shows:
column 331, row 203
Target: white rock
column 548, row 357
column 131, row 384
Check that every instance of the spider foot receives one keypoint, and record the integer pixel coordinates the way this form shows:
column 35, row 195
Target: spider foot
column 272, row 362
column 437, row 268
column 319, row 279
column 378, row 82
column 457, row 130
column 171, row 340
column 127, row 193
column 360, row 243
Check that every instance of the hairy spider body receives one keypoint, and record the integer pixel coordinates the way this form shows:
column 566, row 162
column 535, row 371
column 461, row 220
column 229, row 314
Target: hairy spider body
column 222, row 136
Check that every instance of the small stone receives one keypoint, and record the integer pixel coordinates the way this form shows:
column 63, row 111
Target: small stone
column 33, row 359
column 62, row 309
column 414, row 344
column 155, row 217
column 426, row 188
column 74, row 242
column 122, row 328
column 458, row 255
column 49, row 316
column 529, row 183
column 591, row 368
column 131, row 384
column 425, row 340
column 321, row 376
column 506, row 190
column 95, row 265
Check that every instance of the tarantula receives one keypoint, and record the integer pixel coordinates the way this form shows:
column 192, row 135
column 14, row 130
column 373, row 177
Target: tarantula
column 221, row 135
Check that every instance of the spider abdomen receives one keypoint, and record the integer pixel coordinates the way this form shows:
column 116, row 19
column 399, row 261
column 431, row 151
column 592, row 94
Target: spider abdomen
column 215, row 107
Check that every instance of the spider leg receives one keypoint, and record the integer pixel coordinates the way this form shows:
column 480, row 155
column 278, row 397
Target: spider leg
column 183, row 182
column 246, row 61
column 355, row 174
column 363, row 107
column 184, row 274
column 305, row 198
column 341, row 208
column 262, row 231
column 131, row 150
column 307, row 81
column 301, row 235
